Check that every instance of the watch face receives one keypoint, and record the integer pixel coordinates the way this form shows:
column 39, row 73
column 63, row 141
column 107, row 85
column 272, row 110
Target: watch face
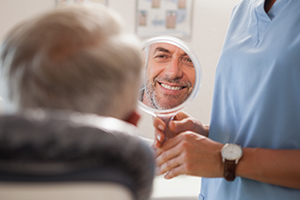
column 231, row 151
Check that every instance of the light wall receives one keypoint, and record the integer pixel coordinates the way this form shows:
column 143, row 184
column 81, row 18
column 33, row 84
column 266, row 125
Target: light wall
column 210, row 20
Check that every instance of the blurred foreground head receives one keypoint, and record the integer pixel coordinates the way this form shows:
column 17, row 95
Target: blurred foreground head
column 72, row 58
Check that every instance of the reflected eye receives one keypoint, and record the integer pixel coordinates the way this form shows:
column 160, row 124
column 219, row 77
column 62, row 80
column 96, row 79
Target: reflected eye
column 186, row 60
column 162, row 57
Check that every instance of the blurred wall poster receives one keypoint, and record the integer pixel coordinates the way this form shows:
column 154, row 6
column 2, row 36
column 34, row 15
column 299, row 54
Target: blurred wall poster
column 164, row 17
column 60, row 2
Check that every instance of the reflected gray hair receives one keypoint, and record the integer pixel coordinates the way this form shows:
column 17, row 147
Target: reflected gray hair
column 75, row 58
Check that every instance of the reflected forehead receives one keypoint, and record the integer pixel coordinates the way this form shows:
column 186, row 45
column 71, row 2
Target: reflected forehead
column 167, row 48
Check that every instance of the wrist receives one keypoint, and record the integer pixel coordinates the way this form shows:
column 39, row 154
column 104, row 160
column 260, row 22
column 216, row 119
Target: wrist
column 249, row 165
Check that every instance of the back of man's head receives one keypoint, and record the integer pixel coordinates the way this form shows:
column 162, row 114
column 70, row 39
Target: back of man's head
column 73, row 58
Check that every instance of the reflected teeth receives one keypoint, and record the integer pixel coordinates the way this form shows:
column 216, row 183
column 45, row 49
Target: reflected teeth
column 170, row 87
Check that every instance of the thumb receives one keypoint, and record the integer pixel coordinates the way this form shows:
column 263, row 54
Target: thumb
column 182, row 126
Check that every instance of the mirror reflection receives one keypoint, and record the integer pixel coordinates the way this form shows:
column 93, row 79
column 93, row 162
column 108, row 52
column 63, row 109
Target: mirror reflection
column 170, row 76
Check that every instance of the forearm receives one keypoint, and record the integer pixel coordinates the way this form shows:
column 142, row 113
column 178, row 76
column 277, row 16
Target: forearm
column 278, row 167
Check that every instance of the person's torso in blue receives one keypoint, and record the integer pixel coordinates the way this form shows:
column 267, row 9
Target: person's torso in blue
column 256, row 99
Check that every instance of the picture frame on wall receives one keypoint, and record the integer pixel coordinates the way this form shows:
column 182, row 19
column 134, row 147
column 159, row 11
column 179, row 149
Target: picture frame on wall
column 164, row 17
column 60, row 2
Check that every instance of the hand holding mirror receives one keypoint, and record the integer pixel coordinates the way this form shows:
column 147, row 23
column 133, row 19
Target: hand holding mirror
column 172, row 76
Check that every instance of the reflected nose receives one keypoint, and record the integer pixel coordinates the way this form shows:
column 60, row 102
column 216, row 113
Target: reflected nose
column 174, row 68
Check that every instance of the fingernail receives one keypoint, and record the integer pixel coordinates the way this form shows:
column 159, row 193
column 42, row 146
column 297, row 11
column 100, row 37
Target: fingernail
column 158, row 137
column 166, row 176
column 160, row 127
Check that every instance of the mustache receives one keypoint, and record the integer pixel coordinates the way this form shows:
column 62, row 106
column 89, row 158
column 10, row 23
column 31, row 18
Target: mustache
column 177, row 80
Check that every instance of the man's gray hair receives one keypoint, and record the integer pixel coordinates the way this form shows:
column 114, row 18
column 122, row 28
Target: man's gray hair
column 75, row 58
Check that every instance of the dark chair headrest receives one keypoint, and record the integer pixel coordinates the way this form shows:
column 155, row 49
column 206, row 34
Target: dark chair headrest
column 62, row 146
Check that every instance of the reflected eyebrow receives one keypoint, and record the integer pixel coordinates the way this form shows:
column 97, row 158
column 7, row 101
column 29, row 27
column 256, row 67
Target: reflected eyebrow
column 158, row 49
column 161, row 49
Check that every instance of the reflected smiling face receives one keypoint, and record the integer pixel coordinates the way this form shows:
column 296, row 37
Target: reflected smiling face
column 170, row 76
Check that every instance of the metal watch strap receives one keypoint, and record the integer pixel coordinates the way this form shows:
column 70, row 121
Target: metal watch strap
column 229, row 170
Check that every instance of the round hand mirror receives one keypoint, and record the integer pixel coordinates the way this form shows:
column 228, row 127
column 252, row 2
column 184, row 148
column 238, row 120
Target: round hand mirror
column 172, row 76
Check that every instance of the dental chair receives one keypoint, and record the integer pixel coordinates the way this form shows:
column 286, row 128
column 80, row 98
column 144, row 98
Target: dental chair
column 54, row 155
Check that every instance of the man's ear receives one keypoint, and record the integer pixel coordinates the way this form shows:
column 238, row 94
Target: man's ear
column 133, row 118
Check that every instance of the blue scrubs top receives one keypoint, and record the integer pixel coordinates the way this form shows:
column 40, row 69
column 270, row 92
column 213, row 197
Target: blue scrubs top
column 256, row 99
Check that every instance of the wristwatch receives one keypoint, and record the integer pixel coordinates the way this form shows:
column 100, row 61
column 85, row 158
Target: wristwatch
column 231, row 154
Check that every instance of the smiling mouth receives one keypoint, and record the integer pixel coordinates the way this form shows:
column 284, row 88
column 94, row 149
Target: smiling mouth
column 171, row 87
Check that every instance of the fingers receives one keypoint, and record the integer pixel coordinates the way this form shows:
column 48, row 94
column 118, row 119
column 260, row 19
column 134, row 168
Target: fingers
column 170, row 164
column 168, row 145
column 182, row 122
column 169, row 156
column 179, row 170
column 181, row 115
column 159, row 126
column 159, row 138
column 158, row 123
column 188, row 124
